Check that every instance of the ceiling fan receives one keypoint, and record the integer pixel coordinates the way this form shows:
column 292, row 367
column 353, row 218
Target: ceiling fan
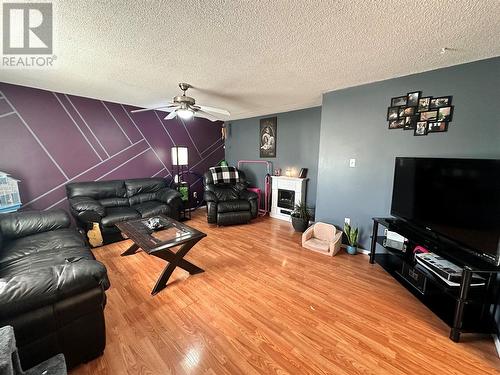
column 186, row 108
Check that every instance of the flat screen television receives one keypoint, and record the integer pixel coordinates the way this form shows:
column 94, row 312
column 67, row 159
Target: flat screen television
column 455, row 198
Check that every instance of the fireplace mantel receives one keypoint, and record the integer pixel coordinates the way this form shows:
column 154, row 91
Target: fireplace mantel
column 286, row 193
column 288, row 178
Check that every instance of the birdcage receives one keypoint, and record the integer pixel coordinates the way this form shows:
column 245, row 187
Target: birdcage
column 9, row 193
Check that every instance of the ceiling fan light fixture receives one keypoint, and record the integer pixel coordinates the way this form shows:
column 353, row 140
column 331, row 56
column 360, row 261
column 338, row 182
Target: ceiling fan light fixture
column 184, row 107
column 185, row 114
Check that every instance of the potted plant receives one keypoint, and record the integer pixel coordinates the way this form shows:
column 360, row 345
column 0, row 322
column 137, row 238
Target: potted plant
column 352, row 238
column 300, row 217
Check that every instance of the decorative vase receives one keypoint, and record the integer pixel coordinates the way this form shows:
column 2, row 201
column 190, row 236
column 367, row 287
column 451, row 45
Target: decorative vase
column 352, row 250
column 299, row 224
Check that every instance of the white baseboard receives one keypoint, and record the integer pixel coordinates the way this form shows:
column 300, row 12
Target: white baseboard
column 361, row 251
column 280, row 216
column 496, row 340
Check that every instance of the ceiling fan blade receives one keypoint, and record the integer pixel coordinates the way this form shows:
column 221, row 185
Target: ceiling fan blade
column 208, row 116
column 215, row 110
column 163, row 108
column 171, row 115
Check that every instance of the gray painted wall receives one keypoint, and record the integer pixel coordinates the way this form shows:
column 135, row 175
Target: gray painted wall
column 297, row 145
column 353, row 125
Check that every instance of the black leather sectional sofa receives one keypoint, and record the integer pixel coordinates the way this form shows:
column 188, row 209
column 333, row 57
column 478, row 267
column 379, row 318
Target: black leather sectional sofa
column 229, row 203
column 109, row 202
column 51, row 288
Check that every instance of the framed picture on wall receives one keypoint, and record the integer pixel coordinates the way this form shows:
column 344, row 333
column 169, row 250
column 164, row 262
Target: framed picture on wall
column 421, row 128
column 442, row 101
column 413, row 98
column 267, row 142
column 445, row 113
column 398, row 101
column 422, row 114
column 397, row 124
column 428, row 116
column 410, row 122
column 392, row 113
column 437, row 127
column 408, row 111
column 423, row 104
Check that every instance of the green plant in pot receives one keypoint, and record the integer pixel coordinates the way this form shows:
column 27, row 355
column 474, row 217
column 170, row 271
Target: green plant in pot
column 300, row 217
column 352, row 238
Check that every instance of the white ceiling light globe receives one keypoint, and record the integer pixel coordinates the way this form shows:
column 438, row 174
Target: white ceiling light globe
column 185, row 114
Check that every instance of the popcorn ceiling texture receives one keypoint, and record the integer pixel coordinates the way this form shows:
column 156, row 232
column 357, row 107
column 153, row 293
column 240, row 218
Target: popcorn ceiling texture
column 255, row 57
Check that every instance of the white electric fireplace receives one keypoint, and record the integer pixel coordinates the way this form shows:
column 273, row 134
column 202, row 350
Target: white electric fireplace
column 286, row 192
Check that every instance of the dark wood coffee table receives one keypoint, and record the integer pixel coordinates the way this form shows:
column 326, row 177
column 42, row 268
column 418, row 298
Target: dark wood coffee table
column 159, row 241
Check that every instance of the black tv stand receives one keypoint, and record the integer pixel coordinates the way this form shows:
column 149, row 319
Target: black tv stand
column 464, row 308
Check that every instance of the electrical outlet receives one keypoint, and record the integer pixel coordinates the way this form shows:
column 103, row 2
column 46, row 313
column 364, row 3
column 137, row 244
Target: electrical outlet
column 347, row 220
column 352, row 163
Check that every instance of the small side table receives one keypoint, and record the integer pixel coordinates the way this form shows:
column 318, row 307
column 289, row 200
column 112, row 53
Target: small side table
column 183, row 188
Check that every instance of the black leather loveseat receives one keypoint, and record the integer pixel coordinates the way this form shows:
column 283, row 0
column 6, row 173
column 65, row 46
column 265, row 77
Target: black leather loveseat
column 229, row 202
column 110, row 202
column 51, row 288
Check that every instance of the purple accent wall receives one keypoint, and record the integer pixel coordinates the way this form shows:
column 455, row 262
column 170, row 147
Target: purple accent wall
column 48, row 139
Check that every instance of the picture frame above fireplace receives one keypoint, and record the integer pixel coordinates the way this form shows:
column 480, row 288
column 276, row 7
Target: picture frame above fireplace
column 268, row 137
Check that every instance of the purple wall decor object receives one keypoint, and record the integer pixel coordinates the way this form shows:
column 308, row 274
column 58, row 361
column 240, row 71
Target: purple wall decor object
column 48, row 139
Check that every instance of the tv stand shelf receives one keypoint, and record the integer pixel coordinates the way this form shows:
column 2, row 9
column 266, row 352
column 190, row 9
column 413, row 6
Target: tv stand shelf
column 465, row 308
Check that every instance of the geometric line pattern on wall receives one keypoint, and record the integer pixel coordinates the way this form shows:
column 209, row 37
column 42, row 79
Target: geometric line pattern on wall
column 79, row 129
column 14, row 112
column 48, row 139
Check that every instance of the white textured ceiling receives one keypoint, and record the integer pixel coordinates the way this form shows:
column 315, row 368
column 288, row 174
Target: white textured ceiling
column 255, row 57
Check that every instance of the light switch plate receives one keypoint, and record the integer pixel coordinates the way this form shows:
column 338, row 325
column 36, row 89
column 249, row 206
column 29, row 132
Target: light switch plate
column 352, row 163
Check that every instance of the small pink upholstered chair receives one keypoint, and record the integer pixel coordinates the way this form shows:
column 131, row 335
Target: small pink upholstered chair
column 323, row 238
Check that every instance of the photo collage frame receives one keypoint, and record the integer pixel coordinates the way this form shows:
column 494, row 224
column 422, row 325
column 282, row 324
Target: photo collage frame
column 422, row 114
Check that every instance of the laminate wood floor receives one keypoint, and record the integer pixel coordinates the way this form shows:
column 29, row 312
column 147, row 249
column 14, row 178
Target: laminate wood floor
column 264, row 305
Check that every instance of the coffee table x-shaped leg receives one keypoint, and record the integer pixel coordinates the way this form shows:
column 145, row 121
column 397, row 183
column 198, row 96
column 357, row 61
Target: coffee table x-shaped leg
column 174, row 259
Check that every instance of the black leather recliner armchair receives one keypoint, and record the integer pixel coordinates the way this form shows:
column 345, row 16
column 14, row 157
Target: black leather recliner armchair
column 229, row 204
column 51, row 288
column 110, row 202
